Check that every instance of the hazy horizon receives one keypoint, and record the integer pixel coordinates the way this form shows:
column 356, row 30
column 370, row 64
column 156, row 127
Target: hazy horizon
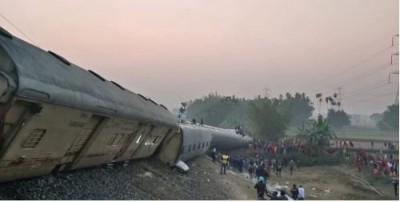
column 180, row 50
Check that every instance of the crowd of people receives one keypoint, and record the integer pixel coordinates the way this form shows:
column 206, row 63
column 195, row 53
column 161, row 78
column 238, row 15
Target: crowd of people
column 284, row 146
column 382, row 164
column 297, row 193
column 260, row 169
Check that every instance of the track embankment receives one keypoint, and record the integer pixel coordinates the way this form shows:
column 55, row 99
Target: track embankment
column 146, row 179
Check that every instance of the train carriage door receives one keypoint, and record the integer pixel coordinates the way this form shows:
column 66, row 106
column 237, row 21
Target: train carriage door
column 142, row 134
column 80, row 141
column 132, row 136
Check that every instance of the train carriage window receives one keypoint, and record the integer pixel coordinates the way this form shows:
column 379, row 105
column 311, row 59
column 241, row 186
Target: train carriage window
column 203, row 144
column 198, row 147
column 190, row 148
column 183, row 149
column 34, row 138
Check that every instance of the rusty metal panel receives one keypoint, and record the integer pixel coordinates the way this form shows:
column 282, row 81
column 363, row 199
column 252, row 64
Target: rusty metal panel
column 39, row 160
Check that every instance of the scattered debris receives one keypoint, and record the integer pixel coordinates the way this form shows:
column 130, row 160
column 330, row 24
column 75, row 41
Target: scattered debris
column 364, row 184
column 148, row 174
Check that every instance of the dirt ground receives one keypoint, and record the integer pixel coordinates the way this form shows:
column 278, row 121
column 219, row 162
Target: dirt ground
column 332, row 183
column 320, row 183
column 148, row 179
column 328, row 183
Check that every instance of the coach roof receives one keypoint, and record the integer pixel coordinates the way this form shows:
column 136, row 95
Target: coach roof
column 48, row 77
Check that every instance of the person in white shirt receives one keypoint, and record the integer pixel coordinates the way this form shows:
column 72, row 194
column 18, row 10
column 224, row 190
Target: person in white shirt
column 302, row 194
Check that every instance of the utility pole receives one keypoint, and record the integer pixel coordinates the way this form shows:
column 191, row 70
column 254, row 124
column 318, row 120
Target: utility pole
column 396, row 101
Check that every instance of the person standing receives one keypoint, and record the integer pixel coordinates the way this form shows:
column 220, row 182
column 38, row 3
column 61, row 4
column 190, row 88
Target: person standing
column 224, row 163
column 258, row 171
column 395, row 183
column 291, row 166
column 302, row 194
column 261, row 188
column 279, row 170
column 252, row 169
column 264, row 174
column 295, row 192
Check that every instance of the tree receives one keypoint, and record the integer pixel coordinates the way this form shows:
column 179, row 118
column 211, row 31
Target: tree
column 318, row 136
column 390, row 119
column 376, row 117
column 266, row 120
column 338, row 118
column 298, row 107
column 219, row 111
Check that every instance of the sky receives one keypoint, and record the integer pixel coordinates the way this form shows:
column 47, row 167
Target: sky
column 178, row 50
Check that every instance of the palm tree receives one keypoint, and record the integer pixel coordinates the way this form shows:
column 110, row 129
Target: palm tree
column 318, row 137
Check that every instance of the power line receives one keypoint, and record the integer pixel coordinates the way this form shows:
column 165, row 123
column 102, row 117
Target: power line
column 374, row 98
column 1, row 15
column 366, row 89
column 351, row 67
column 359, row 77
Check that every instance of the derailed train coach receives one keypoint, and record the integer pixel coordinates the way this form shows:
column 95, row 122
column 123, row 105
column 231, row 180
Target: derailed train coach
column 227, row 139
column 198, row 139
column 57, row 116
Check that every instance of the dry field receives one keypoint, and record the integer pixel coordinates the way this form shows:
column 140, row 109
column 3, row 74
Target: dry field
column 328, row 183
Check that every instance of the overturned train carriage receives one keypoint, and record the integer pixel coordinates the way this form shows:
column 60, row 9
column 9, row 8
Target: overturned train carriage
column 57, row 116
column 227, row 139
column 197, row 140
